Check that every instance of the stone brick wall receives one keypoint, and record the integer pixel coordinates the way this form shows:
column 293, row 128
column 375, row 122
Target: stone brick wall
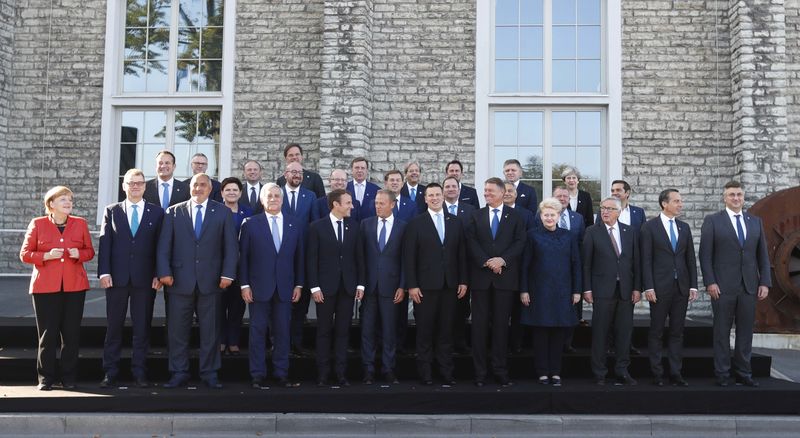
column 7, row 19
column 792, row 89
column 54, row 121
column 278, row 76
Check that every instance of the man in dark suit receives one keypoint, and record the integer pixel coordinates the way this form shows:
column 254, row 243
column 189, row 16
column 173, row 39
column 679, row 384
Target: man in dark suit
column 510, row 197
column 467, row 195
column 412, row 188
column 435, row 266
column 630, row 214
column 252, row 186
column 526, row 195
column 669, row 278
column 196, row 260
column 463, row 211
column 334, row 276
column 361, row 189
column 405, row 208
column 380, row 250
column 611, row 279
column 199, row 163
column 293, row 153
column 736, row 271
column 271, row 276
column 496, row 239
column 127, row 271
column 337, row 180
column 165, row 190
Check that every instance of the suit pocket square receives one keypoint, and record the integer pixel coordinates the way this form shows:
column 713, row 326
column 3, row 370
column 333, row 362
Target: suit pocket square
column 522, row 195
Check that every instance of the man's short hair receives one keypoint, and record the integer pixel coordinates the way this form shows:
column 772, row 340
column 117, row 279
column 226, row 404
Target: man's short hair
column 390, row 173
column 166, row 152
column 199, row 154
column 433, row 185
column 616, row 201
column 496, row 181
column 625, row 185
column 252, row 161
column 733, row 185
column 389, row 194
column 265, row 189
column 289, row 146
column 411, row 163
column 357, row 159
column 663, row 197
column 512, row 161
column 336, row 196
column 559, row 187
column 456, row 162
column 132, row 172
column 450, row 177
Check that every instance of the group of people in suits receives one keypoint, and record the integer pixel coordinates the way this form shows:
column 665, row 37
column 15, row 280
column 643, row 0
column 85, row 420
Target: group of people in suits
column 276, row 247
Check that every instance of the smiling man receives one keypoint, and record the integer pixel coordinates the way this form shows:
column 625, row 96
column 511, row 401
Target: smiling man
column 165, row 190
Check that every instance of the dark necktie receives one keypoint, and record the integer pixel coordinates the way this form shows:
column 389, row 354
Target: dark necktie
column 613, row 241
column 198, row 222
column 253, row 198
column 382, row 236
column 495, row 223
column 339, row 229
column 739, row 230
column 293, row 202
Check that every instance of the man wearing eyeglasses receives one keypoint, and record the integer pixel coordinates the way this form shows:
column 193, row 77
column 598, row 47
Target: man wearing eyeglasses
column 293, row 153
column 611, row 279
column 199, row 163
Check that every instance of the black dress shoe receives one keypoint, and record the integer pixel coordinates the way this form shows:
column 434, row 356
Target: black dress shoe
column 45, row 386
column 257, row 383
column 678, row 381
column 600, row 381
column 342, row 381
column 369, row 378
column 626, row 380
column 556, row 381
column 569, row 349
column 449, row 380
column 480, row 383
column 658, row 381
column 176, row 382
column 544, row 380
column 722, row 381
column 635, row 351
column 286, row 383
column 300, row 351
column 212, row 383
column 68, row 385
column 390, row 378
column 236, row 352
column 322, row 383
column 108, row 382
column 746, row 381
column 141, row 382
column 503, row 381
column 426, row 380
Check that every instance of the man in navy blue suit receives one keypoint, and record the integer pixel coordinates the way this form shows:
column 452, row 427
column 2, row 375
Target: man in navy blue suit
column 412, row 188
column 630, row 214
column 252, row 186
column 334, row 277
column 381, row 252
column 361, row 189
column 405, row 208
column 463, row 211
column 127, row 270
column 271, row 274
column 337, row 180
column 526, row 195
column 199, row 164
column 510, row 197
column 196, row 260
column 467, row 194
column 293, row 152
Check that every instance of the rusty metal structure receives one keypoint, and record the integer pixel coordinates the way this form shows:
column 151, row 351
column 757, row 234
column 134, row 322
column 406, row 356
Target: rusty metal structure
column 780, row 213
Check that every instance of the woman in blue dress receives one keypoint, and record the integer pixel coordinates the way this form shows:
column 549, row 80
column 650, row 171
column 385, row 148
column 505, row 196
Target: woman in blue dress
column 232, row 304
column 550, row 286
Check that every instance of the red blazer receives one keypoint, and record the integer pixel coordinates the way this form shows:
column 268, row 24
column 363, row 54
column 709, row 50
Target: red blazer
column 48, row 276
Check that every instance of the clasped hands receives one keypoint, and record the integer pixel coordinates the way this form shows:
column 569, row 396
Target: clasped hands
column 496, row 264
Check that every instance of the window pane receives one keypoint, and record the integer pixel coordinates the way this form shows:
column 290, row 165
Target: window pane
column 563, row 156
column 506, row 12
column 187, row 76
column 588, row 127
column 563, row 42
column 160, row 13
column 505, row 128
column 189, row 43
column 157, row 80
column 531, row 160
column 531, row 12
column 563, row 76
column 589, row 42
column 135, row 40
column 191, row 13
column 212, row 43
column 506, row 76
column 589, row 76
column 501, row 154
column 506, row 42
column 532, row 79
column 531, row 42
column 530, row 128
column 210, row 76
column 589, row 162
column 155, row 126
column 158, row 44
column 185, row 126
column 208, row 127
column 563, row 128
column 564, row 12
column 133, row 80
column 132, row 126
column 136, row 13
column 215, row 16
column 183, row 153
column 588, row 11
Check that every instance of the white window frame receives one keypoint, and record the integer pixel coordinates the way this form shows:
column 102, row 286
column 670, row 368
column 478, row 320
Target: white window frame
column 114, row 101
column 487, row 101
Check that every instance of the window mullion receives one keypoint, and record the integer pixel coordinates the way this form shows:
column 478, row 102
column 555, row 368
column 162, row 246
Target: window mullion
column 547, row 32
column 547, row 153
column 173, row 47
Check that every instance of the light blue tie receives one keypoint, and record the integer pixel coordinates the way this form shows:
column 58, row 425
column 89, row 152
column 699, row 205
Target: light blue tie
column 563, row 224
column 495, row 223
column 413, row 194
column 165, row 196
column 673, row 239
column 453, row 210
column 198, row 222
column 739, row 230
column 276, row 235
column 134, row 219
column 382, row 236
column 440, row 227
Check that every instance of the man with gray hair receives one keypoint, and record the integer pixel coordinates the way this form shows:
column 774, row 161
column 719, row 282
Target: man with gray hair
column 412, row 188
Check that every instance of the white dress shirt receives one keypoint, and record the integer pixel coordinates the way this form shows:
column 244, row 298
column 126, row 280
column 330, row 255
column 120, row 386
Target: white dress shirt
column 359, row 188
column 170, row 182
column 625, row 215
column 665, row 221
column 433, row 218
column 499, row 213
column 389, row 224
column 194, row 210
column 573, row 202
column 129, row 210
column 732, row 216
column 616, row 234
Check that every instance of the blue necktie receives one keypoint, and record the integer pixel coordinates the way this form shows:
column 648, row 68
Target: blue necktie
column 276, row 235
column 440, row 227
column 739, row 229
column 134, row 219
column 198, row 222
column 165, row 197
column 339, row 228
column 453, row 210
column 253, row 197
column 413, row 194
column 382, row 236
column 495, row 223
column 293, row 203
column 563, row 222
column 673, row 239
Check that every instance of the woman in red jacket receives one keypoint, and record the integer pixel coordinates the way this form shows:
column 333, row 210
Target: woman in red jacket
column 57, row 245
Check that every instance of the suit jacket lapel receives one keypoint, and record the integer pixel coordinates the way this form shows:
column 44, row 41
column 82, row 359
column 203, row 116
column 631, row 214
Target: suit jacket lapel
column 122, row 217
column 665, row 237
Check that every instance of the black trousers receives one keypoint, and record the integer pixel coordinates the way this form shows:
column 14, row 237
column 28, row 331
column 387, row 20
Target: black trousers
column 58, row 323
column 233, row 307
column 141, row 305
column 299, row 312
column 491, row 310
column 669, row 304
column 460, row 326
column 434, row 316
column 739, row 306
column 548, row 343
column 334, row 316
column 608, row 312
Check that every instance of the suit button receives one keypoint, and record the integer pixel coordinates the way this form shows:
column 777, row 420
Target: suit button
column 133, row 241
column 61, row 240
column 62, row 260
column 197, row 261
